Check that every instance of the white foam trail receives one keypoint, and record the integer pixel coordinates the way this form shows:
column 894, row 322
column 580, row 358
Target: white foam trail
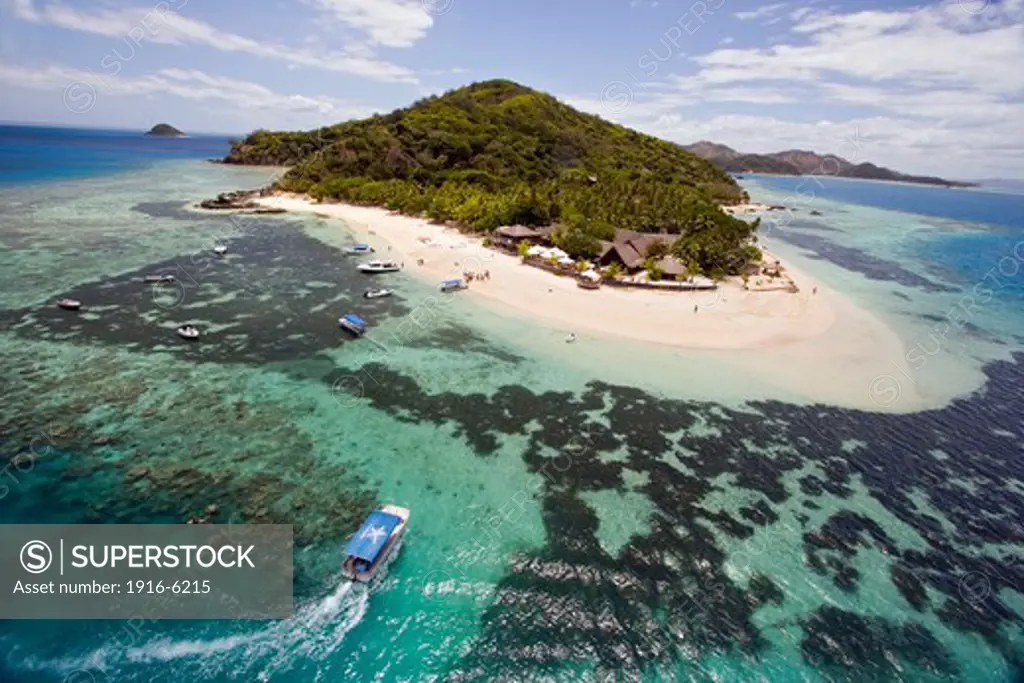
column 314, row 632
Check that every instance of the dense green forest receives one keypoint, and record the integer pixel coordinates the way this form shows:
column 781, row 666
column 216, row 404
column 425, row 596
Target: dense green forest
column 498, row 153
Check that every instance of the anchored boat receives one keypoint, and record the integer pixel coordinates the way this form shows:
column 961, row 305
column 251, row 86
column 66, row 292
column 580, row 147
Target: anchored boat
column 189, row 332
column 220, row 250
column 453, row 285
column 377, row 293
column 353, row 323
column 163, row 279
column 379, row 267
column 69, row 304
column 359, row 249
column 375, row 544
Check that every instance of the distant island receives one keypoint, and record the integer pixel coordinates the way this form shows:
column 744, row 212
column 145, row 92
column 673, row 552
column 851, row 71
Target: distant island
column 164, row 130
column 802, row 162
column 497, row 153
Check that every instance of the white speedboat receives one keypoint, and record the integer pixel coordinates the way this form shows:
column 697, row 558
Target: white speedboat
column 359, row 249
column 69, row 304
column 163, row 279
column 377, row 293
column 220, row 250
column 453, row 285
column 188, row 332
column 353, row 324
column 375, row 544
column 379, row 267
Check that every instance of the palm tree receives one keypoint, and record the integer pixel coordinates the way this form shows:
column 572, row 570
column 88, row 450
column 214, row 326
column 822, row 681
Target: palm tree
column 524, row 249
column 613, row 271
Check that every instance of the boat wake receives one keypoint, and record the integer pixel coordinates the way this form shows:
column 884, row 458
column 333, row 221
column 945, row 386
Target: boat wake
column 315, row 632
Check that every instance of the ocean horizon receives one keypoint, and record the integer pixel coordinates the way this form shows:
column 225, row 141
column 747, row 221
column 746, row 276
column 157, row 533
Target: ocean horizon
column 609, row 510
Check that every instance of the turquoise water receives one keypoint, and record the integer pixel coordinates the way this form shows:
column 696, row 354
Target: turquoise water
column 567, row 523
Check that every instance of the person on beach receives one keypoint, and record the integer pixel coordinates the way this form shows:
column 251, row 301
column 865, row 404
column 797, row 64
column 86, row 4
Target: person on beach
column 814, row 291
column 695, row 308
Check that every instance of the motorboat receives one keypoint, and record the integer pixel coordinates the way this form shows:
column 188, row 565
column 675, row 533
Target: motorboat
column 377, row 293
column 189, row 332
column 220, row 250
column 375, row 544
column 589, row 279
column 69, row 304
column 359, row 249
column 353, row 323
column 163, row 279
column 379, row 267
column 453, row 285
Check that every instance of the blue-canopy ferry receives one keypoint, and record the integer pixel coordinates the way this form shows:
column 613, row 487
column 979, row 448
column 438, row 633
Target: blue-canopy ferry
column 375, row 544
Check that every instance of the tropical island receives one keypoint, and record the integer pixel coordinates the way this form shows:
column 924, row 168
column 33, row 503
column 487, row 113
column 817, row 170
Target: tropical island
column 483, row 182
column 497, row 153
column 164, row 130
column 803, row 162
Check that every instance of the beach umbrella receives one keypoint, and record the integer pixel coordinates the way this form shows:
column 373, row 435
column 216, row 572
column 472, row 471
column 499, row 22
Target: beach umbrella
column 566, row 261
column 535, row 250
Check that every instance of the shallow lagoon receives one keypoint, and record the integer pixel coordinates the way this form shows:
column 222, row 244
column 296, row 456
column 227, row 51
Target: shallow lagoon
column 605, row 523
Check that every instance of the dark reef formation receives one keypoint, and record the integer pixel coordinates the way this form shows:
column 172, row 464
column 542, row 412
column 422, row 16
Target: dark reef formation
column 808, row 480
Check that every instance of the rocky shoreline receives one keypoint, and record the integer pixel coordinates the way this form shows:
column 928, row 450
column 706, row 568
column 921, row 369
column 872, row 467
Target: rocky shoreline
column 241, row 200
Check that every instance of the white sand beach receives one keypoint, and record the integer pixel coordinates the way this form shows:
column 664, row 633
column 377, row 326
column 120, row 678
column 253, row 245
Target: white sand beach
column 815, row 337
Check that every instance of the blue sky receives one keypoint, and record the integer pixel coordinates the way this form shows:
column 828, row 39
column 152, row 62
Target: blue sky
column 926, row 87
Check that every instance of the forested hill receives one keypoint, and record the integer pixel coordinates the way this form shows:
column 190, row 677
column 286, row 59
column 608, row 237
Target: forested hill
column 490, row 132
column 498, row 153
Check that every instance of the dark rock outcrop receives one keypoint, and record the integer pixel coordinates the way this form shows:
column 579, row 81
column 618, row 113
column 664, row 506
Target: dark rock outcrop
column 240, row 200
column 164, row 130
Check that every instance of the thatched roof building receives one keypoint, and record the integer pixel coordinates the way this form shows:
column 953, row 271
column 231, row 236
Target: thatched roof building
column 629, row 248
column 672, row 267
column 518, row 232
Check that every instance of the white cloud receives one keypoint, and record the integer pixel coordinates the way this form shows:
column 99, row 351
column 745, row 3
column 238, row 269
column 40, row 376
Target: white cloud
column 945, row 86
column 763, row 11
column 393, row 23
column 142, row 25
column 939, row 45
column 188, row 84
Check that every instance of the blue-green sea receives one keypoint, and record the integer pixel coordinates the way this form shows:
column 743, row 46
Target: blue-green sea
column 610, row 514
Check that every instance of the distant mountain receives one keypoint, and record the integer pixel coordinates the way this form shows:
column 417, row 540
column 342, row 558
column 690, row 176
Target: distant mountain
column 803, row 162
column 164, row 130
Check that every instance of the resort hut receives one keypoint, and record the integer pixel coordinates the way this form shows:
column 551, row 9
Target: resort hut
column 508, row 236
column 517, row 232
column 629, row 249
column 672, row 267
